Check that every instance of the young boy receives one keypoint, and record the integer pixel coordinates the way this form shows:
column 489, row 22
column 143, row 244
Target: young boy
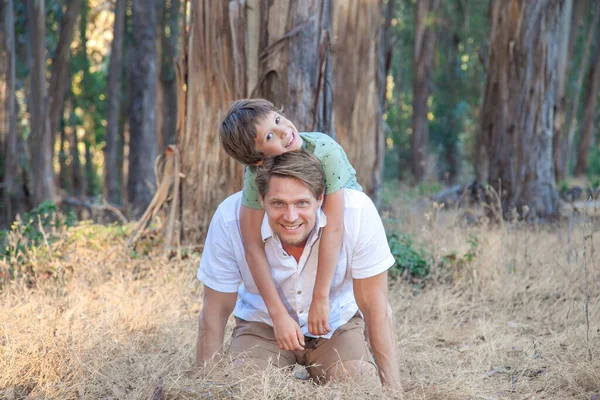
column 252, row 130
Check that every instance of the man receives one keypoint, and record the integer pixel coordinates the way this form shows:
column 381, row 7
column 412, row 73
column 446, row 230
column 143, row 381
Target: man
column 291, row 188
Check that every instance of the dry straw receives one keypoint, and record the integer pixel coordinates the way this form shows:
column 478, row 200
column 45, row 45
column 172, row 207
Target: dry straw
column 100, row 322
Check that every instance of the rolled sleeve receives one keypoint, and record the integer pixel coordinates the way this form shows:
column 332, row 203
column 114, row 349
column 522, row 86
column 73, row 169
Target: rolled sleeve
column 372, row 254
column 218, row 268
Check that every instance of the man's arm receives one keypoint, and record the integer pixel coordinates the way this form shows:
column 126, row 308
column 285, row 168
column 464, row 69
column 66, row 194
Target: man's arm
column 212, row 320
column 371, row 295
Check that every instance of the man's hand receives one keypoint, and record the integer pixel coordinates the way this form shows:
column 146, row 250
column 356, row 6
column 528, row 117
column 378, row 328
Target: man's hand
column 318, row 316
column 288, row 333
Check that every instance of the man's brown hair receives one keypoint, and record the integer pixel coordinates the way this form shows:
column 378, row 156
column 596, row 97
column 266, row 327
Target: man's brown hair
column 301, row 165
column 238, row 129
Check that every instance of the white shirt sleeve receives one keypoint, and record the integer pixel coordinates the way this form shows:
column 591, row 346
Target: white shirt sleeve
column 371, row 255
column 219, row 269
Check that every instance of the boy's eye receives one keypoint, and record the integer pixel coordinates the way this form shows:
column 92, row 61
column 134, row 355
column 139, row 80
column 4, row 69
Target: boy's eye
column 277, row 120
column 269, row 136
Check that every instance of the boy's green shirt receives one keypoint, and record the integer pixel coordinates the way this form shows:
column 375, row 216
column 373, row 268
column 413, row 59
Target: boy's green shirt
column 339, row 173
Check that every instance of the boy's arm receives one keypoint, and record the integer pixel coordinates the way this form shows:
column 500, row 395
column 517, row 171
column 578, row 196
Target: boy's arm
column 329, row 252
column 287, row 332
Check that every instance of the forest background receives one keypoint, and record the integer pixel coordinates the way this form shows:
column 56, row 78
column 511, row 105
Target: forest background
column 471, row 125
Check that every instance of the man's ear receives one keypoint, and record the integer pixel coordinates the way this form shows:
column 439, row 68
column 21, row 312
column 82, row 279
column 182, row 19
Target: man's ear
column 320, row 199
column 262, row 201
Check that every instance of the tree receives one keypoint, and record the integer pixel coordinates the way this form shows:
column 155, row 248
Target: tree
column 112, row 181
column 142, row 118
column 425, row 39
column 357, row 85
column 59, row 80
column 592, row 88
column 278, row 51
column 519, row 103
column 166, row 88
column 40, row 140
column 12, row 192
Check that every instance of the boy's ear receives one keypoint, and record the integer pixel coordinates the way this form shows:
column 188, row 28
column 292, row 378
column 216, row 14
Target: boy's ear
column 258, row 164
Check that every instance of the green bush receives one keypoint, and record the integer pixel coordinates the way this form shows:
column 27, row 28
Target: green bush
column 36, row 226
column 412, row 261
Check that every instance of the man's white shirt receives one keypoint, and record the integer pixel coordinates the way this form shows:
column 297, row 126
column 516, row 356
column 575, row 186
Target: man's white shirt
column 364, row 254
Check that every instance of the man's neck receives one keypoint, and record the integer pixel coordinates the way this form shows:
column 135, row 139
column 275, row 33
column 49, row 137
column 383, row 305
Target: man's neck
column 294, row 251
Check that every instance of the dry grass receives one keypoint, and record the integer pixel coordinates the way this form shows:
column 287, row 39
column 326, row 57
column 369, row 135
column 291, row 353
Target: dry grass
column 509, row 325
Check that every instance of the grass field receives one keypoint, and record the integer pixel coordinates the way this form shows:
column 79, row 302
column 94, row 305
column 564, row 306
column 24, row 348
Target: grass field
column 509, row 322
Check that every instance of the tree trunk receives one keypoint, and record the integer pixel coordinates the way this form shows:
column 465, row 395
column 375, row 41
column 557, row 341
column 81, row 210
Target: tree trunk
column 77, row 179
column 40, row 140
column 561, row 101
column 142, row 121
column 356, row 84
column 111, row 166
column 425, row 38
column 13, row 196
column 519, row 105
column 276, row 50
column 452, row 125
column 384, row 65
column 59, row 80
column 572, row 117
column 589, row 114
column 166, row 87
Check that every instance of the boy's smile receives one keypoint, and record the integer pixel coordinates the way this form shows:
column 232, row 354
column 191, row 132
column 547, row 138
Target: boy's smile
column 276, row 135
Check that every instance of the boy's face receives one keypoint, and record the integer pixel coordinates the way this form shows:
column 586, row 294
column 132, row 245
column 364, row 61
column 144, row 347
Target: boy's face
column 276, row 135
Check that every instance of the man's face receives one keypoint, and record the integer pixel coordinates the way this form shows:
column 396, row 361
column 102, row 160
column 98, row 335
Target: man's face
column 291, row 209
column 276, row 135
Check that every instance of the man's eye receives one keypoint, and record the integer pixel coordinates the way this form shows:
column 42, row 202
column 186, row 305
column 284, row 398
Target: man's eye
column 303, row 203
column 277, row 120
column 278, row 204
column 269, row 136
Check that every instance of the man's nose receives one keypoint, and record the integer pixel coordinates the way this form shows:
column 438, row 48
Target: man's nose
column 291, row 214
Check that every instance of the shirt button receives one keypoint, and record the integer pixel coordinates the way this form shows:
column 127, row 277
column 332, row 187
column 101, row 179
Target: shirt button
column 299, row 291
column 301, row 311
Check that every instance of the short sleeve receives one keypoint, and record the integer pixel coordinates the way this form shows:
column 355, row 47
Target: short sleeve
column 371, row 255
column 250, row 196
column 219, row 269
column 336, row 171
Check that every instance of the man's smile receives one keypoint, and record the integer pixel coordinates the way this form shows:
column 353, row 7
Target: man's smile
column 291, row 227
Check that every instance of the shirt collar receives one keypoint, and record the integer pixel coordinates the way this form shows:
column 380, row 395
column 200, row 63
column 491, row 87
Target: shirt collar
column 267, row 232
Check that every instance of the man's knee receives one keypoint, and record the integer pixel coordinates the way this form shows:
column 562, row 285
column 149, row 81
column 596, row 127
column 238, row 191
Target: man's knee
column 363, row 371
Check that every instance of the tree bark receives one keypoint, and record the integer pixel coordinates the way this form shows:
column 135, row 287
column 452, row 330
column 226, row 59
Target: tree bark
column 40, row 140
column 592, row 89
column 275, row 50
column 572, row 116
column 142, row 121
column 425, row 39
column 111, row 166
column 519, row 104
column 12, row 192
column 59, row 82
column 561, row 101
column 77, row 179
column 357, row 87
column 166, row 87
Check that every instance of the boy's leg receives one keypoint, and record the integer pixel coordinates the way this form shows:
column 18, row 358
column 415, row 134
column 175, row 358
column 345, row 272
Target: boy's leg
column 345, row 355
column 255, row 342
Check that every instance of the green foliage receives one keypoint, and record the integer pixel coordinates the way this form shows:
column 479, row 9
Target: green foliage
column 40, row 225
column 593, row 170
column 411, row 260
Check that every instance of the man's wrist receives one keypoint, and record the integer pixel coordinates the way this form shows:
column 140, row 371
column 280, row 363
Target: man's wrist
column 320, row 295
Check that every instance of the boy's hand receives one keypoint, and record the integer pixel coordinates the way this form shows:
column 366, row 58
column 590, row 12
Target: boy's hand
column 318, row 316
column 288, row 334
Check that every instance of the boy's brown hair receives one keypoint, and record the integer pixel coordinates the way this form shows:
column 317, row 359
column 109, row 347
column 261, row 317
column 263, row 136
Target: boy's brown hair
column 301, row 165
column 238, row 129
